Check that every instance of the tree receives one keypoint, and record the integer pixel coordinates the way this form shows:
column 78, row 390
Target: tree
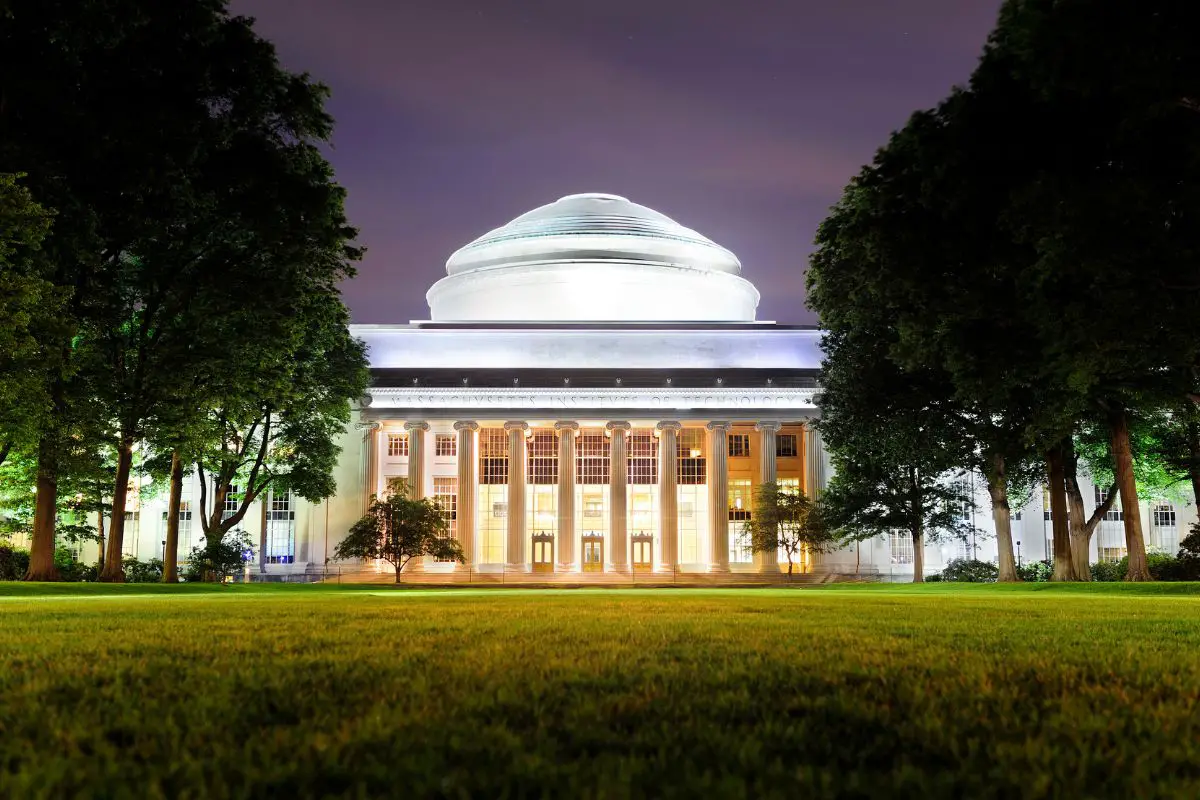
column 1110, row 206
column 398, row 529
column 895, row 444
column 26, row 301
column 786, row 519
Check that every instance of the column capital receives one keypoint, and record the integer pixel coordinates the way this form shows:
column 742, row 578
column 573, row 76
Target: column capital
column 416, row 426
column 371, row 427
column 618, row 426
column 669, row 425
column 466, row 425
column 516, row 425
column 566, row 425
column 718, row 426
column 766, row 425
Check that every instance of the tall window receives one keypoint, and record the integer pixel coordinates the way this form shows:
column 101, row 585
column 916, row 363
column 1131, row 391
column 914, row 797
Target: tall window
column 397, row 445
column 445, row 444
column 963, row 507
column 786, row 446
column 542, row 487
column 1114, row 514
column 445, row 493
column 281, row 529
column 233, row 499
column 691, row 465
column 1046, row 514
column 592, row 458
column 739, row 445
column 1164, row 532
column 740, row 551
column 493, row 494
column 901, row 545
column 643, row 457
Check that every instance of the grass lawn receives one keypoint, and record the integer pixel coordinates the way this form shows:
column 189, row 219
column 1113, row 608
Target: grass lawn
column 937, row 691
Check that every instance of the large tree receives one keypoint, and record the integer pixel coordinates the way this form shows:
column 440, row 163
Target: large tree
column 1111, row 205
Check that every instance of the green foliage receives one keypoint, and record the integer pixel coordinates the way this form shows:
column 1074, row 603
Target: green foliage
column 70, row 568
column 398, row 529
column 1109, row 571
column 785, row 519
column 13, row 563
column 965, row 570
column 142, row 571
column 1036, row 571
column 217, row 559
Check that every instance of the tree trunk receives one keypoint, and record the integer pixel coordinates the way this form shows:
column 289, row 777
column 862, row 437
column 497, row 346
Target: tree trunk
column 171, row 554
column 1135, row 543
column 997, row 485
column 45, row 512
column 1056, row 479
column 1194, row 461
column 918, row 537
column 114, row 571
column 1081, row 533
column 100, row 539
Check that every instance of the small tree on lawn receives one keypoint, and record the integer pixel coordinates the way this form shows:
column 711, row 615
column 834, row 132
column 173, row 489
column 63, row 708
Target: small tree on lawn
column 786, row 519
column 398, row 529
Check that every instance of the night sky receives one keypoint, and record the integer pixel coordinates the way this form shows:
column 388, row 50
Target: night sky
column 742, row 120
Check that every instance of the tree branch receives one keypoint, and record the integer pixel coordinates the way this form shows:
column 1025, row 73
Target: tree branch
column 1102, row 509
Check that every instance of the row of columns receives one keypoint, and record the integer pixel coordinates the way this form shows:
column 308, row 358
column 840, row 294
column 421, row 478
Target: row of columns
column 717, row 475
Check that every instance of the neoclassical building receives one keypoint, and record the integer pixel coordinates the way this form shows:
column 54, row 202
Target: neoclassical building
column 593, row 393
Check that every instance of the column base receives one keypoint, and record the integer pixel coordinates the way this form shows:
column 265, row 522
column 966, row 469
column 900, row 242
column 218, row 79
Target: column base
column 718, row 568
column 619, row 570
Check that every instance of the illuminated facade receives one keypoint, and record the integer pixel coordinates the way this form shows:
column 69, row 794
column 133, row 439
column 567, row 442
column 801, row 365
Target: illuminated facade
column 594, row 386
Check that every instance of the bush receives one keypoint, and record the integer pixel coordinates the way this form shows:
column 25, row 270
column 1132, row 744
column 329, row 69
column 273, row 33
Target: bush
column 71, row 568
column 934, row 578
column 216, row 561
column 1108, row 571
column 1189, row 555
column 966, row 570
column 1035, row 571
column 142, row 571
column 14, row 563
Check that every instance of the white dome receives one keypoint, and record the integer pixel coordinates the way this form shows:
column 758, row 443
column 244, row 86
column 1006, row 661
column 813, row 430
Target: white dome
column 593, row 257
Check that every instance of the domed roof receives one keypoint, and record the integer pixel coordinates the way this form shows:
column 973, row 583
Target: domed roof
column 593, row 226
column 593, row 257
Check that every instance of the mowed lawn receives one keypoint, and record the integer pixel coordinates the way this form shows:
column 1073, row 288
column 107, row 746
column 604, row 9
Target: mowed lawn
column 935, row 691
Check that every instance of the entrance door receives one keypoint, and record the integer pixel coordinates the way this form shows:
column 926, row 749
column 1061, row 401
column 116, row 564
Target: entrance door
column 593, row 552
column 543, row 552
column 643, row 552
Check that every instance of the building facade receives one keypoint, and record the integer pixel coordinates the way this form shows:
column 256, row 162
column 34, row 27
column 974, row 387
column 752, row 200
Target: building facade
column 594, row 394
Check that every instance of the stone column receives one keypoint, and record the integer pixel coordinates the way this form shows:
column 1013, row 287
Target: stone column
column 416, row 458
column 668, row 493
column 566, row 493
column 618, row 496
column 370, row 464
column 767, row 560
column 517, row 467
column 814, row 462
column 468, row 489
column 718, row 495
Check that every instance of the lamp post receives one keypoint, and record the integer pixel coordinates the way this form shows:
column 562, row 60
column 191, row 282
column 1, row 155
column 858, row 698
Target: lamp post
column 1018, row 553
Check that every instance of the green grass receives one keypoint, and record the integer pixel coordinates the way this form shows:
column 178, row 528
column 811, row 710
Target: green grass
column 871, row 691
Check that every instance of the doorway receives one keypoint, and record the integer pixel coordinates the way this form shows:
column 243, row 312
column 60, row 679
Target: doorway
column 593, row 552
column 543, row 552
column 643, row 552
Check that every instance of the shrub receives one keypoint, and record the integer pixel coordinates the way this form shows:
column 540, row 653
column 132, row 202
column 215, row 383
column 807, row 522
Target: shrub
column 142, row 571
column 1189, row 555
column 14, row 563
column 1109, row 570
column 72, row 569
column 1163, row 567
column 966, row 570
column 934, row 578
column 217, row 560
column 1035, row 571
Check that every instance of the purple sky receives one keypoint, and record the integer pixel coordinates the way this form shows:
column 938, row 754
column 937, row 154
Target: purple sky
column 742, row 120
